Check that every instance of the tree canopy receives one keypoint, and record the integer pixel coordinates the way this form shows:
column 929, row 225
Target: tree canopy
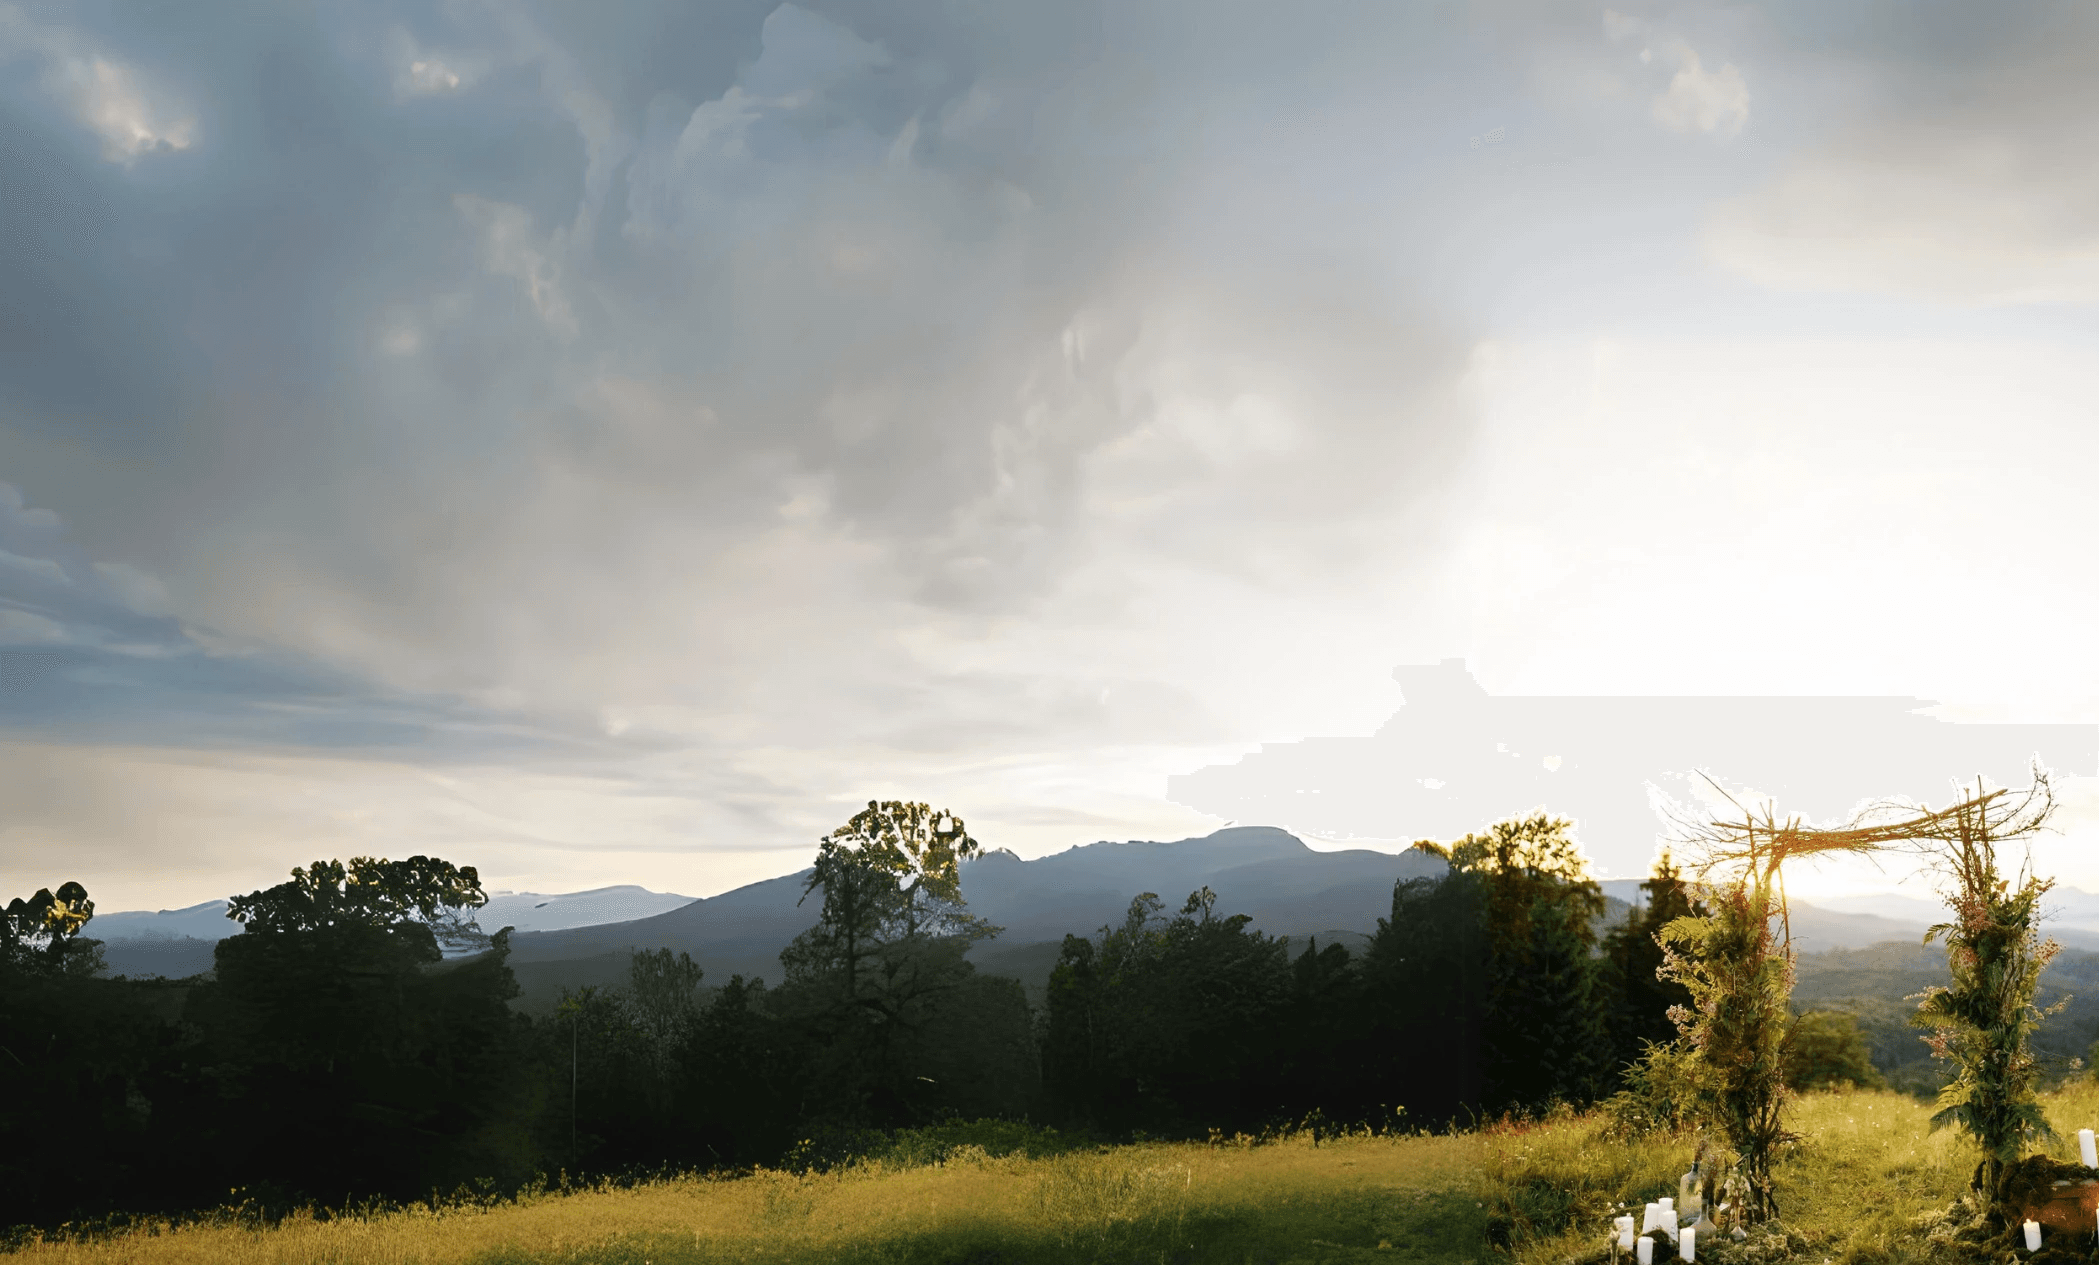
column 368, row 892
column 43, row 932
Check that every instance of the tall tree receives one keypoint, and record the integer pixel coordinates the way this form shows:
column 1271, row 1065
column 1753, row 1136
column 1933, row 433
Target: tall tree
column 1543, row 1036
column 1425, row 974
column 872, row 979
column 359, row 1060
column 1639, row 999
column 1169, row 1024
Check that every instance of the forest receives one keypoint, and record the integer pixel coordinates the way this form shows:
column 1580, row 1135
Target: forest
column 336, row 1055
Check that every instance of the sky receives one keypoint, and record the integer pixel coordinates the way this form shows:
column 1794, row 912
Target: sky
column 610, row 444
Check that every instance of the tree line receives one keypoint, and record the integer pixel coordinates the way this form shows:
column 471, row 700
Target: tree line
column 336, row 1053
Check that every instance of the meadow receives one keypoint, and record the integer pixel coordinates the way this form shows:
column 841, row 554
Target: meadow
column 1387, row 1199
column 1861, row 1187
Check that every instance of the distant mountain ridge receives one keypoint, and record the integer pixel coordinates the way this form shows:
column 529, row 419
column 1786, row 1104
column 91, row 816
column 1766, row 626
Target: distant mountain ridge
column 1286, row 887
column 179, row 942
column 1267, row 873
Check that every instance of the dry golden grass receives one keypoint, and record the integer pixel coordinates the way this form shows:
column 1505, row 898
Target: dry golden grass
column 1384, row 1199
column 1853, row 1189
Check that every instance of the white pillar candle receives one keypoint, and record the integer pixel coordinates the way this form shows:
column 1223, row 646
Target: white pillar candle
column 2033, row 1236
column 1668, row 1225
column 1686, row 1246
column 2086, row 1151
column 1650, row 1217
column 1645, row 1252
column 1668, row 1203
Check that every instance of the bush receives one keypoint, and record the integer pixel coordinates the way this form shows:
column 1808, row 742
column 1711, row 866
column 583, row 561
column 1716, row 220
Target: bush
column 1658, row 1093
column 1826, row 1049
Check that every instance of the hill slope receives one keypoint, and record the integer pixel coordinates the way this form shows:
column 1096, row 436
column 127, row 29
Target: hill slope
column 1287, row 887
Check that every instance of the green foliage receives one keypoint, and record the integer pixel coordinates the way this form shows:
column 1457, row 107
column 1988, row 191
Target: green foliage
column 663, row 999
column 368, row 892
column 358, row 1058
column 41, row 935
column 1166, row 1024
column 1660, row 1091
column 891, row 880
column 1636, row 996
column 897, row 868
column 1984, row 1022
column 1826, row 1049
column 895, row 1021
column 1740, row 978
column 628, row 1047
column 931, row 1145
column 1543, row 1033
column 1425, row 975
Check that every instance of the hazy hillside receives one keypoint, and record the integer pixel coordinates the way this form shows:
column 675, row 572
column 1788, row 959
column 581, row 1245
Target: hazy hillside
column 178, row 942
column 1287, row 887
column 1880, row 985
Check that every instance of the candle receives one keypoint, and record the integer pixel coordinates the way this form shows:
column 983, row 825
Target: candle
column 1685, row 1245
column 1645, row 1255
column 2033, row 1236
column 1624, row 1228
column 1668, row 1223
column 2086, row 1151
column 1668, row 1203
column 1650, row 1218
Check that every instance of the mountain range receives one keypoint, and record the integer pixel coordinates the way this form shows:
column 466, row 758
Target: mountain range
column 1286, row 887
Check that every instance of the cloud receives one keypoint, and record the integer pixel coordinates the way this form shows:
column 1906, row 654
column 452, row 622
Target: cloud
column 1984, row 218
column 510, row 249
column 1951, row 181
column 20, row 627
column 1699, row 100
column 105, row 661
column 107, row 95
column 43, row 567
column 745, row 409
column 831, row 412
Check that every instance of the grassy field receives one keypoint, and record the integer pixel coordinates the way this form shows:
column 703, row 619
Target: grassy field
column 1858, row 1189
column 1357, row 1199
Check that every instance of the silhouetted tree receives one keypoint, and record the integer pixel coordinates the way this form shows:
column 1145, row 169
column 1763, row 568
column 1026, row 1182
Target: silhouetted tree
column 876, row 983
column 1638, row 999
column 1326, row 1059
column 41, row 935
column 78, row 1056
column 1168, row 1024
column 349, row 1058
column 1425, row 976
column 1543, row 1036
